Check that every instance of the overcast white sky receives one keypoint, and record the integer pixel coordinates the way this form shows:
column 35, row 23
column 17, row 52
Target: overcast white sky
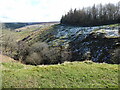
column 41, row 10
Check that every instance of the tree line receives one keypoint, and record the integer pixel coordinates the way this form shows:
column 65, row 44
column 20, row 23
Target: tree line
column 93, row 16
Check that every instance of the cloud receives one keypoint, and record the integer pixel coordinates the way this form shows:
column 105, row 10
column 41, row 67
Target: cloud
column 40, row 10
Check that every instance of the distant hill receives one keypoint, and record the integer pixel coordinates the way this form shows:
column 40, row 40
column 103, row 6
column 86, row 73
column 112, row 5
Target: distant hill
column 19, row 25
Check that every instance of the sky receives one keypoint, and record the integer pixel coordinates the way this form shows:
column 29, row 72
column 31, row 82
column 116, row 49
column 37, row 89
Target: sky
column 41, row 10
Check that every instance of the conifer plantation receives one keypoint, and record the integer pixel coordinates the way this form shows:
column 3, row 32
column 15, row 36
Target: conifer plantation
column 93, row 16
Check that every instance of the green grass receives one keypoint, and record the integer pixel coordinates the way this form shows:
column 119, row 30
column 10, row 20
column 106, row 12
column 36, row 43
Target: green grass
column 67, row 75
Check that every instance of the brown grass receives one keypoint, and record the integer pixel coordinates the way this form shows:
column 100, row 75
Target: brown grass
column 4, row 58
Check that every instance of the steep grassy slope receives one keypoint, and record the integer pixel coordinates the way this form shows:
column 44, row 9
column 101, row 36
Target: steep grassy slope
column 67, row 75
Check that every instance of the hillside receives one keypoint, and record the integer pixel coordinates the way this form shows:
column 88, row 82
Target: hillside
column 85, row 74
column 78, row 44
column 100, row 41
column 94, row 43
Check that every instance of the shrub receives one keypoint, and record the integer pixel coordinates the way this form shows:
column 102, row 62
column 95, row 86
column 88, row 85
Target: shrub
column 38, row 54
column 34, row 59
column 22, row 51
column 115, row 59
column 9, row 44
column 41, row 53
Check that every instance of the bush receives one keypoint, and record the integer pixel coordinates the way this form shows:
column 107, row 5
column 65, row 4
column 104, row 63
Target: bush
column 115, row 59
column 41, row 53
column 34, row 59
column 9, row 44
column 22, row 51
column 38, row 54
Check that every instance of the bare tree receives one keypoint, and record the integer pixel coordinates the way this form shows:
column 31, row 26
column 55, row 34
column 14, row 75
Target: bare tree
column 9, row 44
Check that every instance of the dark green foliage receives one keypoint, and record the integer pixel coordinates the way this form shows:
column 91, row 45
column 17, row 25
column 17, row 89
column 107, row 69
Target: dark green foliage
column 93, row 16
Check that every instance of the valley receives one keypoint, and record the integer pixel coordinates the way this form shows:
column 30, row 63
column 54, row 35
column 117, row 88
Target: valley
column 86, row 49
